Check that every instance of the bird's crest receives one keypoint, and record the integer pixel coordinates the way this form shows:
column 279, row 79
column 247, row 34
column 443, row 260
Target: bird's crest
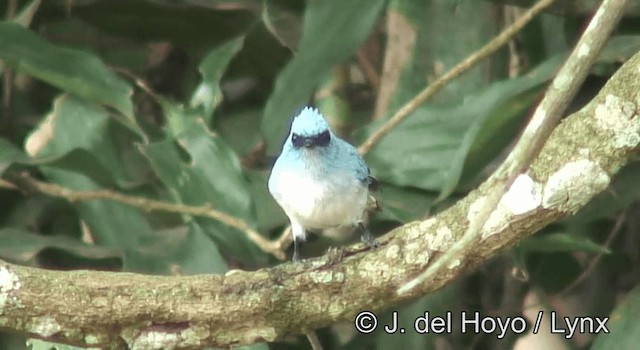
column 309, row 122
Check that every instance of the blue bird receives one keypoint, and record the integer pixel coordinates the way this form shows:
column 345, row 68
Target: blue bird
column 320, row 181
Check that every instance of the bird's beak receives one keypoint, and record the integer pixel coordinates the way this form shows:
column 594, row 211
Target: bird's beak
column 308, row 143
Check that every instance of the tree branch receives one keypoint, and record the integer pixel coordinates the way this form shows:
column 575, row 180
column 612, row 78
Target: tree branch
column 118, row 310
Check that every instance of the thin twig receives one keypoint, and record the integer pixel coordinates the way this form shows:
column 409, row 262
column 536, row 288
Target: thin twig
column 617, row 227
column 314, row 341
column 544, row 120
column 274, row 247
column 491, row 47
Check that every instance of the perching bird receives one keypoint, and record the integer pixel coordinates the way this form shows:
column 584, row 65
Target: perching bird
column 320, row 181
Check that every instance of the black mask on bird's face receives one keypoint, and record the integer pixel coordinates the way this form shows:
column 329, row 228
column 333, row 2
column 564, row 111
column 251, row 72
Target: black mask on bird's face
column 318, row 140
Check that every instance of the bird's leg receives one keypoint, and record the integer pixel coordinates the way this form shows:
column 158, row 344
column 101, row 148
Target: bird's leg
column 296, row 255
column 299, row 235
column 367, row 237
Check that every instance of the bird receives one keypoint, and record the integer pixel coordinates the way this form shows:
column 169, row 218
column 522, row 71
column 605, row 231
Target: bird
column 320, row 181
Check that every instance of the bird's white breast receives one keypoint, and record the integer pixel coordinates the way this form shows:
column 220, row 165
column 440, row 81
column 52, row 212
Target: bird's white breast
column 319, row 203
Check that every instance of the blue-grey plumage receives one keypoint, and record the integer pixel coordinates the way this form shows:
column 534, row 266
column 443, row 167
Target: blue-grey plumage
column 319, row 180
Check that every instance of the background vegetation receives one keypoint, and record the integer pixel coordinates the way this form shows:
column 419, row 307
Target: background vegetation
column 188, row 101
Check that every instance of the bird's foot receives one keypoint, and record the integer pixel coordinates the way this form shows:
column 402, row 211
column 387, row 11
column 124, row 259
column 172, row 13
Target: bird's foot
column 368, row 238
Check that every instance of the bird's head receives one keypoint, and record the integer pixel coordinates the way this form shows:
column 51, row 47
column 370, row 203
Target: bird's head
column 310, row 130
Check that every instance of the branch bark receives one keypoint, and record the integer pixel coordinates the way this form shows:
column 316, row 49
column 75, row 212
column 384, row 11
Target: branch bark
column 119, row 310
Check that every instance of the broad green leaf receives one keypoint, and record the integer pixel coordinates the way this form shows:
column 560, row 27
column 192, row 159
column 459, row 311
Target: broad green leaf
column 402, row 204
column 332, row 31
column 283, row 20
column 110, row 223
column 241, row 130
column 153, row 21
column 619, row 48
column 10, row 154
column 55, row 251
column 80, row 136
column 211, row 176
column 545, row 36
column 418, row 151
column 75, row 71
column 623, row 323
column 561, row 242
column 182, row 250
column 40, row 213
column 554, row 271
column 134, row 59
column 76, row 125
column 268, row 213
column 428, row 150
column 208, row 95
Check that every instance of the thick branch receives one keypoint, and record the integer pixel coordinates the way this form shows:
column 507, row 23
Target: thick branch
column 111, row 310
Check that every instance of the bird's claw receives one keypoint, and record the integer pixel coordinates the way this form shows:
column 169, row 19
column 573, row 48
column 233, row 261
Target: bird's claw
column 368, row 238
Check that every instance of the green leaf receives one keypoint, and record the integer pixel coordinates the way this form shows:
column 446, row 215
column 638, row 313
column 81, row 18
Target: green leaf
column 429, row 149
column 241, row 129
column 208, row 95
column 153, row 21
column 268, row 213
column 182, row 250
column 555, row 271
column 623, row 324
column 619, row 48
column 332, row 31
column 283, row 22
column 38, row 212
column 211, row 176
column 10, row 154
column 57, row 251
column 418, row 151
column 561, row 242
column 402, row 204
column 74, row 71
column 111, row 224
column 80, row 136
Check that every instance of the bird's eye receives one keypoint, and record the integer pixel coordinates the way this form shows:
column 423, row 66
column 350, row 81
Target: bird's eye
column 323, row 139
column 297, row 140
